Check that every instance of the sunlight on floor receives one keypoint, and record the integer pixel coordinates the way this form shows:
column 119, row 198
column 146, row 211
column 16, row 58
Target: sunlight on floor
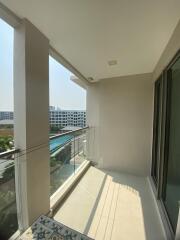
column 108, row 205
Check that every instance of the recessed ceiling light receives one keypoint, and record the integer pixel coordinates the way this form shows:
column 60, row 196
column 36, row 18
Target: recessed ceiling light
column 112, row 62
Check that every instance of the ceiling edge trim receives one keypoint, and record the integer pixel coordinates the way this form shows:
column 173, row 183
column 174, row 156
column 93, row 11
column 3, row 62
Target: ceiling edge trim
column 12, row 19
column 58, row 57
column 8, row 16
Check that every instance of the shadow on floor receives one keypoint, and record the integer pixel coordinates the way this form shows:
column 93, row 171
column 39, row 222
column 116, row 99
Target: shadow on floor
column 112, row 206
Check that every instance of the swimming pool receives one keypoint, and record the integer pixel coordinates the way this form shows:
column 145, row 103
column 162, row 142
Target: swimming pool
column 58, row 142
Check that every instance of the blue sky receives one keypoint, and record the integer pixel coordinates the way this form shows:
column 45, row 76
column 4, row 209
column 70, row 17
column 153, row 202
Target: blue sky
column 63, row 92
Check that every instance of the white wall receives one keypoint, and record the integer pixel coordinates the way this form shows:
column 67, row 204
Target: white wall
column 120, row 112
column 171, row 49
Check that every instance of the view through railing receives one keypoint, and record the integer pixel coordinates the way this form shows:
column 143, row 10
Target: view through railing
column 8, row 211
column 67, row 153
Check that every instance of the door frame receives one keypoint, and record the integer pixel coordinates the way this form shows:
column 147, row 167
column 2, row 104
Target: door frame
column 165, row 103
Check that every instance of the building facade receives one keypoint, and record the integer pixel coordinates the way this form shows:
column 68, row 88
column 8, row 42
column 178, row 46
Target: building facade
column 6, row 115
column 63, row 118
column 60, row 118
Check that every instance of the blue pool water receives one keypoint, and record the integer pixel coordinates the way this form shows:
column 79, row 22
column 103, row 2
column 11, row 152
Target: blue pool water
column 57, row 142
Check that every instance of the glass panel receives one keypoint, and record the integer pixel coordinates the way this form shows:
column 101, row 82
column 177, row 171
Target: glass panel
column 60, row 166
column 67, row 154
column 156, row 130
column 172, row 182
column 8, row 212
column 79, row 148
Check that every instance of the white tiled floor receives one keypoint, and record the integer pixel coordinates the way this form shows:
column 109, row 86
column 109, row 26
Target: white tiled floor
column 112, row 206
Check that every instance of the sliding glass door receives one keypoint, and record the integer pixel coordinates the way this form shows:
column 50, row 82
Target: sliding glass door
column 171, row 180
column 166, row 141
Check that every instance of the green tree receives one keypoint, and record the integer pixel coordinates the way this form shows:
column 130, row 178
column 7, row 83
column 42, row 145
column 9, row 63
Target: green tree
column 9, row 173
column 53, row 162
column 55, row 128
column 6, row 143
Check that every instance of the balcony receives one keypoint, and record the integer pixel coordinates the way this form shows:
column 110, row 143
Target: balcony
column 119, row 178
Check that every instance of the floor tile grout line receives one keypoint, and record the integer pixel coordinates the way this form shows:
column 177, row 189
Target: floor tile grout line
column 102, row 208
column 109, row 212
column 114, row 213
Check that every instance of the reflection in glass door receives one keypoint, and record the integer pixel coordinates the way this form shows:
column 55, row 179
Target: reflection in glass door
column 171, row 181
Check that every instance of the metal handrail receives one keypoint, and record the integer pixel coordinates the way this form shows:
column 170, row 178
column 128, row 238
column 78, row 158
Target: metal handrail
column 12, row 151
column 7, row 153
column 67, row 133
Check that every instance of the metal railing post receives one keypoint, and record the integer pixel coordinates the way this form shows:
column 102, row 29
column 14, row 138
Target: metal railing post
column 74, row 155
column 78, row 146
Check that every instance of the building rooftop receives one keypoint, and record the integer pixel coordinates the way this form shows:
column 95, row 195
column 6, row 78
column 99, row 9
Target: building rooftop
column 6, row 122
column 70, row 128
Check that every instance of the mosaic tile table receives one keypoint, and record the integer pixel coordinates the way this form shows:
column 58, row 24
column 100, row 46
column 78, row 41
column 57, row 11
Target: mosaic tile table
column 48, row 229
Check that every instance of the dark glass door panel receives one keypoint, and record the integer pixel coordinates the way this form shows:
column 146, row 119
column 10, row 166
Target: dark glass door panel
column 171, row 181
column 156, row 129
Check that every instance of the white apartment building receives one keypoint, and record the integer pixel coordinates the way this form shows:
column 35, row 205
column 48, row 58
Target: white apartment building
column 57, row 117
column 67, row 118
column 6, row 115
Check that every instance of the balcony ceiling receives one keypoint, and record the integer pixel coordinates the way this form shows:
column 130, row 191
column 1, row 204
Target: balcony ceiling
column 89, row 33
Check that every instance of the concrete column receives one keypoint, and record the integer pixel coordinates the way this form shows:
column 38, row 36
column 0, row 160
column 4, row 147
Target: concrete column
column 31, row 114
